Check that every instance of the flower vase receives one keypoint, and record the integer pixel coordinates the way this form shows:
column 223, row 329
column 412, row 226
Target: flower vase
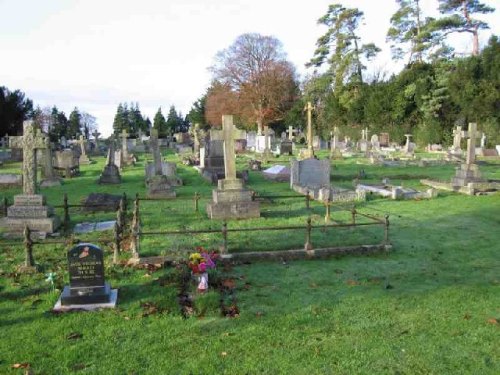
column 203, row 282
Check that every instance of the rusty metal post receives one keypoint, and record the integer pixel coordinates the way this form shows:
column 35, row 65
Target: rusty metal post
column 353, row 214
column 386, row 230
column 116, row 252
column 28, row 245
column 307, row 199
column 5, row 203
column 66, row 218
column 308, row 245
column 122, row 208
column 196, row 199
column 224, row 238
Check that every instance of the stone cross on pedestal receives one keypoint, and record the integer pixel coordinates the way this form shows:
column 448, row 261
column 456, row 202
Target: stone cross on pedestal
column 364, row 134
column 472, row 134
column 155, row 149
column 290, row 132
column 81, row 142
column 267, row 142
column 30, row 141
column 457, row 138
column 124, row 136
column 483, row 141
column 309, row 108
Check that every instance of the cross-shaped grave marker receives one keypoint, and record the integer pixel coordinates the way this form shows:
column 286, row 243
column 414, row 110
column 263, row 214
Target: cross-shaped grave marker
column 230, row 133
column 290, row 132
column 457, row 138
column 309, row 108
column 124, row 136
column 472, row 134
column 30, row 141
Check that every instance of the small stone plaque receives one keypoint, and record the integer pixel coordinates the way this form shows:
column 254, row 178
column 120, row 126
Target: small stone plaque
column 86, row 276
column 29, row 200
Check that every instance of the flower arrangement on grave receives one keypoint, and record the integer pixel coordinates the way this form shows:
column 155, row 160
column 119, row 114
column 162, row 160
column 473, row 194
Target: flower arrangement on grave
column 199, row 263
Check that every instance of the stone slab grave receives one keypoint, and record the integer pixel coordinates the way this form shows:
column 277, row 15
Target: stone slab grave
column 231, row 200
column 251, row 140
column 88, row 227
column 29, row 208
column 87, row 289
column 157, row 182
column 278, row 173
column 110, row 173
column 66, row 163
column 396, row 192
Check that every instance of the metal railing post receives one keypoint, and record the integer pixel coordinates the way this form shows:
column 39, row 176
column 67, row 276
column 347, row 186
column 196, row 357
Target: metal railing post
column 28, row 244
column 116, row 252
column 386, row 230
column 224, row 238
column 66, row 218
column 308, row 245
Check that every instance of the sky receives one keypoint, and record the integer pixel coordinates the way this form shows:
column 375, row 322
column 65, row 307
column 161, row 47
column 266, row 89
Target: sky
column 94, row 54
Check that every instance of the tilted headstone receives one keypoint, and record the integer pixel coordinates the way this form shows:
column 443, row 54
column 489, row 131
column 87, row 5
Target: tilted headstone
column 67, row 163
column 50, row 178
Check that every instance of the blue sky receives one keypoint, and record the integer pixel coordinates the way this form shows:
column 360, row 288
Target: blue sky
column 95, row 54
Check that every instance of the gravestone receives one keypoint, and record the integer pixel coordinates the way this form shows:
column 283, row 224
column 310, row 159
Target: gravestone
column 110, row 173
column 29, row 208
column 126, row 157
column 286, row 147
column 97, row 149
column 67, row 163
column 9, row 180
column 49, row 175
column 310, row 173
column 251, row 140
column 409, row 146
column 375, row 144
column 384, row 139
column 231, row 200
column 335, row 144
column 87, row 287
column 157, row 183
column 279, row 173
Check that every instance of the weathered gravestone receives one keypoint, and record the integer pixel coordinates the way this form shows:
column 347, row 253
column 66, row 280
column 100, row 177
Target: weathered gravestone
column 231, row 200
column 157, row 182
column 384, row 139
column 110, row 173
column 29, row 208
column 310, row 175
column 309, row 152
column 87, row 286
column 67, row 163
column 49, row 175
column 469, row 171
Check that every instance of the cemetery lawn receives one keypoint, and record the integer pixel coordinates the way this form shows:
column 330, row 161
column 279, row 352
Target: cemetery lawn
column 429, row 306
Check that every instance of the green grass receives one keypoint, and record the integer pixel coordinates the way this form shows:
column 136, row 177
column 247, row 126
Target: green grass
column 427, row 307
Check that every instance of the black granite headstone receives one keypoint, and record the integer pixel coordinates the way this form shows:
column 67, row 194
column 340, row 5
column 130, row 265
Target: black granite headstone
column 86, row 277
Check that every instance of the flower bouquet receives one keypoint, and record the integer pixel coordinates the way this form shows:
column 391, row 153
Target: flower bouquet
column 199, row 263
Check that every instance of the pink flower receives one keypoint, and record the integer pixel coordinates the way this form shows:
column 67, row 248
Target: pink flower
column 202, row 267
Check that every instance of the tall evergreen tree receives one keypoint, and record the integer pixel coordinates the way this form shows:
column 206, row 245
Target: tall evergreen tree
column 160, row 124
column 74, row 124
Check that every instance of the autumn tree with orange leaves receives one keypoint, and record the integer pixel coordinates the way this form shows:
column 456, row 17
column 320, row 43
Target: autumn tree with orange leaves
column 254, row 79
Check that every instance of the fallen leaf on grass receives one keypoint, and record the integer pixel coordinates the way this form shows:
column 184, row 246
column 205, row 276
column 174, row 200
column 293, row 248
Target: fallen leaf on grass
column 467, row 316
column 223, row 354
column 21, row 365
column 228, row 283
column 258, row 314
column 493, row 321
column 78, row 366
column 74, row 336
column 313, row 285
column 352, row 282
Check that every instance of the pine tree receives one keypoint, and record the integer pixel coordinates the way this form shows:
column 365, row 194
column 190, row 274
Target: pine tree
column 160, row 124
column 74, row 124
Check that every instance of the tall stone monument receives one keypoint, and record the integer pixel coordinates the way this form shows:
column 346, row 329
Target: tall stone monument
column 309, row 152
column 231, row 200
column 29, row 208
column 158, row 184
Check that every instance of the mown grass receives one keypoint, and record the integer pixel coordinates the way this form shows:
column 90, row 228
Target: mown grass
column 431, row 306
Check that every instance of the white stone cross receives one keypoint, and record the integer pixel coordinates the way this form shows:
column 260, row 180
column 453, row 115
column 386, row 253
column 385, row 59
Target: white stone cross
column 31, row 140
column 81, row 142
column 290, row 132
